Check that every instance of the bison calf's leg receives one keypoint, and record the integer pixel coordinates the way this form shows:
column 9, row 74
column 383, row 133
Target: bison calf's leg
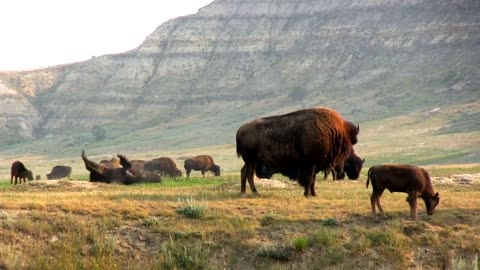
column 375, row 200
column 412, row 201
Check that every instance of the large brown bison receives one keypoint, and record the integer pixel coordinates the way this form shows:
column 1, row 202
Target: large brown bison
column 59, row 171
column 304, row 142
column 163, row 166
column 201, row 163
column 123, row 175
column 18, row 170
column 409, row 179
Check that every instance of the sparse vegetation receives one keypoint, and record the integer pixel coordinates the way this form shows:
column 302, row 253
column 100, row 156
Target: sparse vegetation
column 78, row 225
column 192, row 208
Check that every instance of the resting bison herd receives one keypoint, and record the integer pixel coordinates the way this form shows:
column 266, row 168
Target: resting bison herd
column 298, row 145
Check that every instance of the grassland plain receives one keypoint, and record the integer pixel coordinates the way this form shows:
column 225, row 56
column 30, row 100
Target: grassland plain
column 68, row 224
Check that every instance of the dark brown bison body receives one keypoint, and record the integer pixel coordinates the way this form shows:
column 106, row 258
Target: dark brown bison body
column 302, row 143
column 409, row 179
column 138, row 165
column 352, row 167
column 123, row 175
column 164, row 166
column 18, row 170
column 111, row 163
column 59, row 171
column 203, row 163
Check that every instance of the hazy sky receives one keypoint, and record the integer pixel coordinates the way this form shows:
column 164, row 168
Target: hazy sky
column 40, row 33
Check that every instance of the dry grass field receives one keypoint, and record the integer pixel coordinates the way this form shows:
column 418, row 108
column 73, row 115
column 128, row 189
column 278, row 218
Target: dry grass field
column 207, row 224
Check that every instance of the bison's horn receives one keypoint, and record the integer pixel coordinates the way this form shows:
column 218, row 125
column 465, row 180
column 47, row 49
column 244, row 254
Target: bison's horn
column 358, row 127
column 363, row 161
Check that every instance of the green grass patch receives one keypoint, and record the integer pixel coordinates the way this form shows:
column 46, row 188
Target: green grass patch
column 192, row 208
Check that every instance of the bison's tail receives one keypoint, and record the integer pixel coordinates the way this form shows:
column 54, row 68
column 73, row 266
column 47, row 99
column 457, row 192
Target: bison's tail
column 238, row 150
column 368, row 176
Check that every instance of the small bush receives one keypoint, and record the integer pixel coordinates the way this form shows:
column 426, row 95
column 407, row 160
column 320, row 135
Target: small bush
column 150, row 222
column 268, row 219
column 177, row 255
column 300, row 244
column 281, row 253
column 330, row 222
column 462, row 264
column 192, row 209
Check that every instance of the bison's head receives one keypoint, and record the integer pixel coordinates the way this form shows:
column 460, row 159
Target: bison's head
column 29, row 175
column 431, row 202
column 178, row 173
column 353, row 166
column 216, row 170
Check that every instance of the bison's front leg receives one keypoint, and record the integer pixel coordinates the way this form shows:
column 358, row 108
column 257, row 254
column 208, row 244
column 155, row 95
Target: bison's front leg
column 312, row 186
column 412, row 201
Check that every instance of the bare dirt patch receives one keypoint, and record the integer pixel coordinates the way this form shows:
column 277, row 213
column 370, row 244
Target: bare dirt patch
column 59, row 185
column 463, row 179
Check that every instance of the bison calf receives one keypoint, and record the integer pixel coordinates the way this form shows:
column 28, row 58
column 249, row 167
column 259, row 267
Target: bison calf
column 201, row 163
column 18, row 170
column 409, row 179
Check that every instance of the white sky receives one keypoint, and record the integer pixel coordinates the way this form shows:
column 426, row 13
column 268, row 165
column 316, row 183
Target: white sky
column 40, row 33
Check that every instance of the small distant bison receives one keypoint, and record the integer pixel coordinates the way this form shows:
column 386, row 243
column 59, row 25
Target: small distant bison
column 18, row 170
column 59, row 171
column 201, row 163
column 164, row 166
column 409, row 179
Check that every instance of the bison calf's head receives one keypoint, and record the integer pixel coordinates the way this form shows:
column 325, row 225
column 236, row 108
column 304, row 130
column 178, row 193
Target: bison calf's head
column 431, row 202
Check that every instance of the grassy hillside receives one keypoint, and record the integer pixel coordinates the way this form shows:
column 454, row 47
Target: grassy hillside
column 207, row 224
column 426, row 137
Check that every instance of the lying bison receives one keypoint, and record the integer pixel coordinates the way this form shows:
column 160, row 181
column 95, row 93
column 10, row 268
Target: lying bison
column 201, row 163
column 123, row 175
column 18, row 170
column 303, row 143
column 409, row 179
column 59, row 171
column 163, row 166
column 111, row 163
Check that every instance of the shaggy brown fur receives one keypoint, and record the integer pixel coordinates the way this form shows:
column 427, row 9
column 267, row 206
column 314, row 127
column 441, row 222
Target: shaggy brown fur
column 18, row 170
column 163, row 166
column 409, row 179
column 308, row 141
column 352, row 167
column 59, row 171
column 201, row 163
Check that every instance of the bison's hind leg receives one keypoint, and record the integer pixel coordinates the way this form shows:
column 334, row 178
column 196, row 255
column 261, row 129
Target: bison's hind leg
column 375, row 200
column 246, row 173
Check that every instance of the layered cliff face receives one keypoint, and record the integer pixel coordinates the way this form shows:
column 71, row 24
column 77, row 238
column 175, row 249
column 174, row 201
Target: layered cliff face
column 239, row 59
